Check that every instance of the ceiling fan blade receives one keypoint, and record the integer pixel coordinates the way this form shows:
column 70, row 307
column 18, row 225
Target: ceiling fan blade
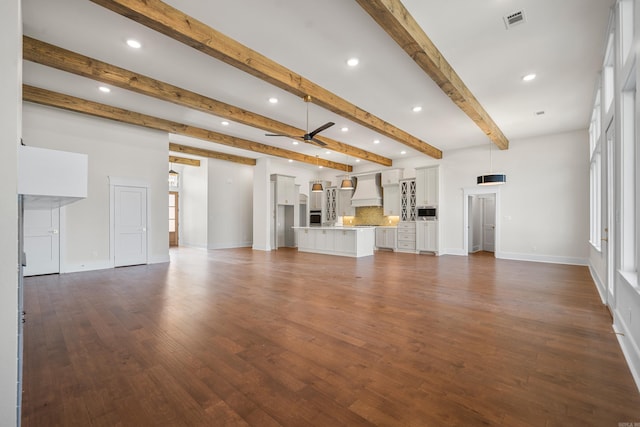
column 316, row 142
column 320, row 129
column 279, row 134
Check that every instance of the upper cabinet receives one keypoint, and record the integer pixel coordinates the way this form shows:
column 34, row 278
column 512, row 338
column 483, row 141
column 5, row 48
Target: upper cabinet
column 331, row 194
column 391, row 200
column 407, row 200
column 391, row 177
column 427, row 185
column 344, row 207
column 285, row 189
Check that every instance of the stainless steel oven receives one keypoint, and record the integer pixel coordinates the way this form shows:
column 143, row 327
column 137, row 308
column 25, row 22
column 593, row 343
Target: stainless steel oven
column 427, row 213
column 315, row 218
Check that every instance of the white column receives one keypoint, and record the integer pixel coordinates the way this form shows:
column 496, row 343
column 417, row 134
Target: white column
column 261, row 205
column 11, row 130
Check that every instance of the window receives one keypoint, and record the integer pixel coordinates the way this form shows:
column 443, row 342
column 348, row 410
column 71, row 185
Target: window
column 596, row 199
column 628, row 178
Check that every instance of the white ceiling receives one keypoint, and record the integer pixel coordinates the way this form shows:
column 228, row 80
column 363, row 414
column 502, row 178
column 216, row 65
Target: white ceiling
column 561, row 41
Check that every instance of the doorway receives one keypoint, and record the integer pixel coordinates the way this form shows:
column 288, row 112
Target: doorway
column 608, row 223
column 481, row 220
column 173, row 218
column 482, row 223
column 42, row 241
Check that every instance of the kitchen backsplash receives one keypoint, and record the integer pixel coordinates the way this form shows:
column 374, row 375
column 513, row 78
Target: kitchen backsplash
column 371, row 215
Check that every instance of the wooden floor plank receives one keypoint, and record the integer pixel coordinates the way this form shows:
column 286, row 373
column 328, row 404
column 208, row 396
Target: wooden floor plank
column 251, row 338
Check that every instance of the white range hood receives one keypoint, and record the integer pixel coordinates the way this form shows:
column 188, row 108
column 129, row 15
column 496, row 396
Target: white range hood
column 368, row 191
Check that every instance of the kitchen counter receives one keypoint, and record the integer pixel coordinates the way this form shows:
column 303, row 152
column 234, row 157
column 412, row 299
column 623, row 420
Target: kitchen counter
column 336, row 240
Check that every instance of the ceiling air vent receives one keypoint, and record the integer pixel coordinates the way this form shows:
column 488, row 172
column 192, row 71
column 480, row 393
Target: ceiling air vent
column 514, row 18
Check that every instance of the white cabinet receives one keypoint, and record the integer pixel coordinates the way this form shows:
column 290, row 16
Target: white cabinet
column 391, row 177
column 407, row 200
column 345, row 242
column 391, row 200
column 325, row 240
column 285, row 189
column 407, row 236
column 316, row 200
column 343, row 205
column 331, row 195
column 427, row 181
column 386, row 237
column 427, row 236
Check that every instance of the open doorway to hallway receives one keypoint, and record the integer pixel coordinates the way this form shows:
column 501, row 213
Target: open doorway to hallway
column 482, row 223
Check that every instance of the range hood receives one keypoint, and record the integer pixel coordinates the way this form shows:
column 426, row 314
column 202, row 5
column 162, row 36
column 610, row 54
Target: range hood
column 368, row 191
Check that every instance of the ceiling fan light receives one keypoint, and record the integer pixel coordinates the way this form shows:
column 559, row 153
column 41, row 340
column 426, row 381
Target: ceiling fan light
column 317, row 187
column 492, row 179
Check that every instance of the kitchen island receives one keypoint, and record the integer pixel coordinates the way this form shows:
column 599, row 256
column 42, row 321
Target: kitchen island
column 342, row 241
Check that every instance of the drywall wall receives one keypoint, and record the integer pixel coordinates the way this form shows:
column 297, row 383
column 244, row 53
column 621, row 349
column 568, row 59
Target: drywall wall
column 116, row 150
column 10, row 128
column 230, row 205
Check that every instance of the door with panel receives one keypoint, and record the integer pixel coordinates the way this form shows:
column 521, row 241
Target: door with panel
column 42, row 241
column 130, row 225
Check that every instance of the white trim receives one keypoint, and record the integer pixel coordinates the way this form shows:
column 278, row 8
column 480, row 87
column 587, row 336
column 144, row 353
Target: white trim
column 599, row 285
column 628, row 345
column 457, row 252
column 470, row 191
column 231, row 246
column 158, row 259
column 88, row 266
column 552, row 259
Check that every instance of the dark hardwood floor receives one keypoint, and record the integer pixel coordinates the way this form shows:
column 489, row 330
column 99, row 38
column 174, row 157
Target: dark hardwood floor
column 241, row 337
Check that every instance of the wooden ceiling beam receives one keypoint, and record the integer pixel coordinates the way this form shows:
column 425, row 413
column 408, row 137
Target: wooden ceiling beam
column 394, row 18
column 178, row 148
column 183, row 160
column 56, row 57
column 173, row 23
column 79, row 105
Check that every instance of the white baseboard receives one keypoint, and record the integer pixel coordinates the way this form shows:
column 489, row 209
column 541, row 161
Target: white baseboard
column 86, row 266
column 261, row 248
column 458, row 252
column 599, row 285
column 629, row 346
column 230, row 245
column 552, row 259
column 158, row 259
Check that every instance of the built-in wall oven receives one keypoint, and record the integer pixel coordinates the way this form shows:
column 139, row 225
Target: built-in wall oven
column 427, row 213
column 315, row 218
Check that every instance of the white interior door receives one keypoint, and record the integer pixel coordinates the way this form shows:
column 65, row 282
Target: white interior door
column 489, row 224
column 130, row 224
column 42, row 241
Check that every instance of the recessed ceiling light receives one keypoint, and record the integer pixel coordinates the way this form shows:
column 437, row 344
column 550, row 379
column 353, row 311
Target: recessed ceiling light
column 352, row 62
column 295, row 142
column 416, row 109
column 320, row 167
column 403, row 152
column 345, row 129
column 328, row 152
column 376, row 141
column 357, row 160
column 104, row 89
column 224, row 123
column 290, row 161
column 273, row 100
column 134, row 44
column 529, row 77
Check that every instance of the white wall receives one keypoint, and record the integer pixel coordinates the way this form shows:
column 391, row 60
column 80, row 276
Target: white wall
column 193, row 204
column 230, row 205
column 116, row 150
column 10, row 126
column 544, row 204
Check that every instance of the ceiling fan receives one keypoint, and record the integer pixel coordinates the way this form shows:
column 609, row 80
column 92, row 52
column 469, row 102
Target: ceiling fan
column 309, row 136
